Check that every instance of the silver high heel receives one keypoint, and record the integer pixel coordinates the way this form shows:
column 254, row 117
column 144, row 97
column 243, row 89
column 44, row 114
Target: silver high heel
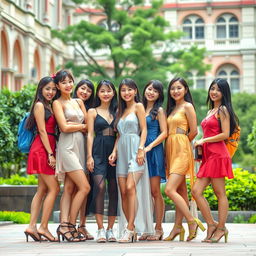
column 128, row 236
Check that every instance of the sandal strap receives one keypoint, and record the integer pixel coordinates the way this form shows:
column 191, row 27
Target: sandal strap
column 223, row 229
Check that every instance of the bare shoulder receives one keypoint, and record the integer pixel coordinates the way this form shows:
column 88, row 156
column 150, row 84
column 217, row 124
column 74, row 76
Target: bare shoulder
column 92, row 112
column 161, row 112
column 39, row 106
column 223, row 110
column 56, row 103
column 188, row 106
column 139, row 106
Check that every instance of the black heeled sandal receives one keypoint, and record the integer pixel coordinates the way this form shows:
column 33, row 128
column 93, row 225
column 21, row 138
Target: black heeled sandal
column 70, row 238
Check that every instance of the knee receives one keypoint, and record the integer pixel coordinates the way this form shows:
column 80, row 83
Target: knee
column 87, row 189
column 42, row 191
column 155, row 192
column 130, row 189
column 168, row 191
column 101, row 188
column 69, row 189
column 195, row 192
column 220, row 194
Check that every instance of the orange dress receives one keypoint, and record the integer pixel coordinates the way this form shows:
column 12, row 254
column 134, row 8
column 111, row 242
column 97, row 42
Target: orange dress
column 179, row 155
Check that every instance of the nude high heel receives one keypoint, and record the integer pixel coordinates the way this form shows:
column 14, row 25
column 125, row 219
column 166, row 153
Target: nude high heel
column 216, row 240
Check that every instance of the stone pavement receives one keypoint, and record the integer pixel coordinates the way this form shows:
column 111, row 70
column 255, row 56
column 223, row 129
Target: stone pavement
column 242, row 241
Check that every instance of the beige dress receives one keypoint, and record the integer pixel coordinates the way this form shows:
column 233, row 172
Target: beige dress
column 70, row 155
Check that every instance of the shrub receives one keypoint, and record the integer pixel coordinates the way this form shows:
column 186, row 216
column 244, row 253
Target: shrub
column 252, row 219
column 19, row 180
column 241, row 192
column 16, row 217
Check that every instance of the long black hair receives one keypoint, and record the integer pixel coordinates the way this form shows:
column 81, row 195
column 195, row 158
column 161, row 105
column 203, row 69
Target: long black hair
column 225, row 101
column 113, row 104
column 157, row 85
column 121, row 103
column 31, row 122
column 89, row 102
column 171, row 103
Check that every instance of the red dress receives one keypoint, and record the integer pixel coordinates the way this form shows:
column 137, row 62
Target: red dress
column 216, row 161
column 38, row 156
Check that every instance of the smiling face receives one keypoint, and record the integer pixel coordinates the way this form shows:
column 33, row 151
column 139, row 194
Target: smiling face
column 105, row 93
column 84, row 92
column 177, row 91
column 215, row 93
column 127, row 93
column 49, row 91
column 151, row 94
column 66, row 85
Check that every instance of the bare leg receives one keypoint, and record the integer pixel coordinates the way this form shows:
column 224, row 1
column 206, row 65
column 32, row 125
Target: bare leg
column 79, row 179
column 53, row 190
column 122, row 187
column 36, row 205
column 177, row 228
column 132, row 180
column 218, row 185
column 197, row 192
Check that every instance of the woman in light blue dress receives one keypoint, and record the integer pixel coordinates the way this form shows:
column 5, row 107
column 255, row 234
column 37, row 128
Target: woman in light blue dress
column 131, row 167
column 153, row 98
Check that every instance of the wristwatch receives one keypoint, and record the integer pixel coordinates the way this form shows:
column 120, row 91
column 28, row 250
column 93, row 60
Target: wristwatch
column 141, row 147
column 50, row 154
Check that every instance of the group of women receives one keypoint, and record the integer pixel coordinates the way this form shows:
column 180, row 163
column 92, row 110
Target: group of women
column 114, row 142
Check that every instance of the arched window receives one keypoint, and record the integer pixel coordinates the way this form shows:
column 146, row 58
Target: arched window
column 231, row 74
column 4, row 60
column 227, row 27
column 36, row 71
column 52, row 66
column 193, row 27
column 17, row 65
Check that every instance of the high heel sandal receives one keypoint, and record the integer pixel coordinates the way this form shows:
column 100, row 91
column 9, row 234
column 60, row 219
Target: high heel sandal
column 181, row 234
column 129, row 236
column 216, row 240
column 193, row 232
column 209, row 235
column 144, row 237
column 82, row 230
column 71, row 238
column 47, row 237
column 157, row 236
column 33, row 236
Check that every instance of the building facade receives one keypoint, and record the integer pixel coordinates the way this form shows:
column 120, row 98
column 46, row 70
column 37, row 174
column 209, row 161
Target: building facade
column 28, row 50
column 226, row 28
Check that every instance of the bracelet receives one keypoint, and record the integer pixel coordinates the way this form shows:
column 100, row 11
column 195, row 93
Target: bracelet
column 50, row 154
column 141, row 147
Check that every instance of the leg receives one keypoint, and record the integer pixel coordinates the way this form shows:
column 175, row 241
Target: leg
column 79, row 179
column 113, row 200
column 197, row 192
column 218, row 185
column 53, row 190
column 36, row 207
column 132, row 180
column 159, row 208
column 178, row 228
column 122, row 187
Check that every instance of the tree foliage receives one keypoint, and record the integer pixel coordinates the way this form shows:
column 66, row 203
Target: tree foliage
column 13, row 107
column 129, row 43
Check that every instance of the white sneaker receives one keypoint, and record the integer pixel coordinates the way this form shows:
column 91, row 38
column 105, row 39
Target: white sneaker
column 110, row 235
column 101, row 236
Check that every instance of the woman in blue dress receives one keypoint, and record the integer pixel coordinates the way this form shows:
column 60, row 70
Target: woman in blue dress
column 153, row 98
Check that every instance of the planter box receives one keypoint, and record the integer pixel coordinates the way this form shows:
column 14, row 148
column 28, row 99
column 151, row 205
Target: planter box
column 19, row 197
column 170, row 215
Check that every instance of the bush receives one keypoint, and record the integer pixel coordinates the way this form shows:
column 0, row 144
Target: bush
column 18, row 180
column 241, row 192
column 252, row 219
column 16, row 217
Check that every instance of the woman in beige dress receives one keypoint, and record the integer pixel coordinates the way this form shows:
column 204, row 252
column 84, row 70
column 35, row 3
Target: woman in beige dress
column 71, row 117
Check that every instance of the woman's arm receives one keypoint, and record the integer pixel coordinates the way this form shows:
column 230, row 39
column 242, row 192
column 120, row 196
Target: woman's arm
column 39, row 113
column 225, row 128
column 81, row 104
column 113, row 156
column 61, row 120
column 90, row 124
column 140, row 112
column 192, row 123
column 163, row 128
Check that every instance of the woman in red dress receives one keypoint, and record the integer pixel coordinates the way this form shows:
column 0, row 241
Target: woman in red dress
column 218, row 125
column 41, row 159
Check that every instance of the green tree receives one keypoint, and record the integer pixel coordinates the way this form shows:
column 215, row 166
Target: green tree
column 13, row 107
column 129, row 40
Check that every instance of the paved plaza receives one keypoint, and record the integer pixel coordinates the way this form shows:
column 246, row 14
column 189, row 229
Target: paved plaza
column 242, row 241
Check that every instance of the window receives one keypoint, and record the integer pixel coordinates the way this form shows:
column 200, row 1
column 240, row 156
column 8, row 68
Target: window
column 231, row 74
column 227, row 27
column 193, row 27
column 200, row 83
